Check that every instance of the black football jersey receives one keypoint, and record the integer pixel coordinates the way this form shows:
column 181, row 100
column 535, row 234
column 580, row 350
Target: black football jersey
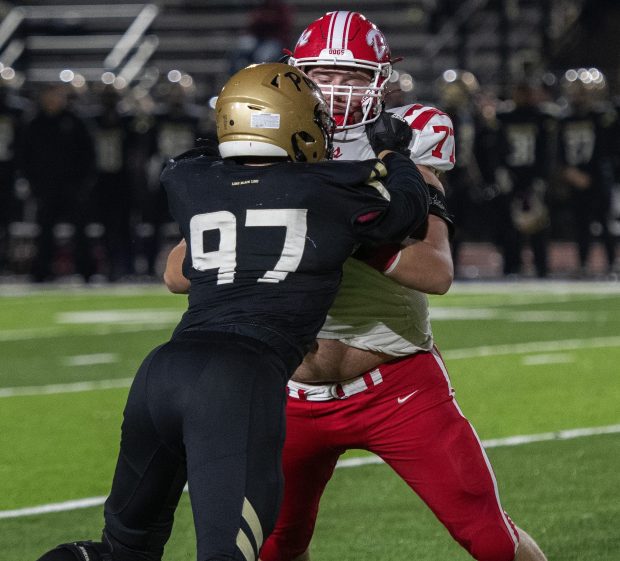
column 266, row 244
column 525, row 143
column 586, row 142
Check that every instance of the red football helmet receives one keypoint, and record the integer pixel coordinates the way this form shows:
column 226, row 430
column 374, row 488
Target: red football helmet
column 349, row 40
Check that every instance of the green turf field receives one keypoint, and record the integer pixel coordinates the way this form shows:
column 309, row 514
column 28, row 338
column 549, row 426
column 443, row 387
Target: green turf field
column 525, row 360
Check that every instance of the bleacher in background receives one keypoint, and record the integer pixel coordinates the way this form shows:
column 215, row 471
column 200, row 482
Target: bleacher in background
column 495, row 39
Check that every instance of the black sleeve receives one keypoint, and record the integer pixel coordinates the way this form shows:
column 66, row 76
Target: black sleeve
column 408, row 208
column 171, row 179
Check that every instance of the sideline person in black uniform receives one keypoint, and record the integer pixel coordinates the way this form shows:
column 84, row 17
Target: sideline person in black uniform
column 266, row 244
column 525, row 143
column 586, row 163
column 58, row 159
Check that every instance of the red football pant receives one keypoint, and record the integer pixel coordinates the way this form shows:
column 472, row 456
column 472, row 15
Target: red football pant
column 425, row 438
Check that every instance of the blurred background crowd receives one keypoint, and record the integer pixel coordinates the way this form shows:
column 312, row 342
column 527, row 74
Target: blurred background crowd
column 96, row 96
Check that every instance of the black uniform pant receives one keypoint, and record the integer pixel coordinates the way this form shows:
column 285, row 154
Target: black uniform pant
column 61, row 202
column 590, row 205
column 209, row 408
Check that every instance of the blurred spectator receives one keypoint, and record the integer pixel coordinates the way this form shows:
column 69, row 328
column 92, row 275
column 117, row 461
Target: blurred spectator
column 112, row 189
column 176, row 129
column 586, row 156
column 467, row 181
column 11, row 124
column 141, row 150
column 439, row 12
column 267, row 34
column 525, row 161
column 57, row 158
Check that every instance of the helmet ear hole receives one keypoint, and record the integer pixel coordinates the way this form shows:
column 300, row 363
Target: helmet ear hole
column 306, row 136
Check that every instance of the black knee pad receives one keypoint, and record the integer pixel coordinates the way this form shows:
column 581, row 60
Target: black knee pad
column 79, row 551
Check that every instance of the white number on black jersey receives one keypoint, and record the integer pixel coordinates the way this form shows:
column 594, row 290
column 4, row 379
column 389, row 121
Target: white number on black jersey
column 579, row 141
column 224, row 259
column 522, row 145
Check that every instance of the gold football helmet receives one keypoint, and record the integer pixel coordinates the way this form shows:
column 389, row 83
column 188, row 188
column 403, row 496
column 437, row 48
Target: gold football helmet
column 273, row 110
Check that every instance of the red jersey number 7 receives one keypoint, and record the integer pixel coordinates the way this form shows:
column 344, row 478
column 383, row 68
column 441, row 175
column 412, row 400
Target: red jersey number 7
column 447, row 131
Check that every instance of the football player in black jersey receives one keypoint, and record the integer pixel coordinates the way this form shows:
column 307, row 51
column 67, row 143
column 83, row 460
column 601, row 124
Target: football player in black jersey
column 267, row 228
column 585, row 142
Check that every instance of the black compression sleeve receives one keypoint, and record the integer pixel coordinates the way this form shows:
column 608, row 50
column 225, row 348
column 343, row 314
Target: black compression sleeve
column 409, row 196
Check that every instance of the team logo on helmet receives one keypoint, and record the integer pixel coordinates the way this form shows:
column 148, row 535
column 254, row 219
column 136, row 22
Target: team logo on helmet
column 376, row 40
column 304, row 38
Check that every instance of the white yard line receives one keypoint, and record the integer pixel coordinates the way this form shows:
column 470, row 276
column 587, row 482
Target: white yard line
column 550, row 358
column 349, row 462
column 91, row 330
column 530, row 348
column 116, row 317
column 536, row 287
column 456, row 313
column 73, row 387
column 90, row 359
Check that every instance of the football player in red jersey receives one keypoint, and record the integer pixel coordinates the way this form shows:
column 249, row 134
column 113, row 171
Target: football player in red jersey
column 376, row 379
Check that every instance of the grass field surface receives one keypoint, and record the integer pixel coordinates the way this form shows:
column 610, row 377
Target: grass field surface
column 525, row 359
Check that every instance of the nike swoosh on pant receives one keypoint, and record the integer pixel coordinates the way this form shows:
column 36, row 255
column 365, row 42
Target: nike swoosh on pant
column 403, row 399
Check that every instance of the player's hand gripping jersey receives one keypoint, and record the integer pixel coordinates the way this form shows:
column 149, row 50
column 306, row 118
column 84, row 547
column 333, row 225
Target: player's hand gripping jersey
column 372, row 312
column 256, row 233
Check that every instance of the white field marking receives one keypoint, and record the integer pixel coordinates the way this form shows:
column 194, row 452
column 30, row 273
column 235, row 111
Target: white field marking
column 155, row 315
column 53, row 507
column 454, row 354
column 458, row 287
column 66, row 388
column 85, row 292
column 536, row 287
column 531, row 347
column 88, row 360
column 501, row 442
column 549, row 358
column 349, row 462
column 464, row 313
column 95, row 330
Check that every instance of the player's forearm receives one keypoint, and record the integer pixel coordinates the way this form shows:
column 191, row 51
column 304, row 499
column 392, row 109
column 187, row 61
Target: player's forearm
column 174, row 279
column 431, row 179
column 426, row 265
column 409, row 196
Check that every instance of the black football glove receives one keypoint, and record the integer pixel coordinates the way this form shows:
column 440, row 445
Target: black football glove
column 389, row 132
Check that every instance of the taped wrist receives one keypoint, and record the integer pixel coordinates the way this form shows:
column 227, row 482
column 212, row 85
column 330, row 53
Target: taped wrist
column 437, row 205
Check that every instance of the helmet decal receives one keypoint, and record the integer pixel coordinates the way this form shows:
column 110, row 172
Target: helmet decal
column 304, row 38
column 376, row 40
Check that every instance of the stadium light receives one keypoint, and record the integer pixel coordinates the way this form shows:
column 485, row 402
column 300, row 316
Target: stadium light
column 174, row 76
column 449, row 75
column 108, row 78
column 66, row 75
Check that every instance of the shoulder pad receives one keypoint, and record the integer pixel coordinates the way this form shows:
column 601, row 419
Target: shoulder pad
column 433, row 141
column 207, row 151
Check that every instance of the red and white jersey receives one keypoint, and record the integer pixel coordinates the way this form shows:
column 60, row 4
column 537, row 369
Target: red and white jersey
column 371, row 311
column 432, row 143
